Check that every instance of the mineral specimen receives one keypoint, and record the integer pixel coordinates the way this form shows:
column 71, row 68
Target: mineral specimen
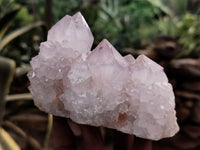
column 100, row 87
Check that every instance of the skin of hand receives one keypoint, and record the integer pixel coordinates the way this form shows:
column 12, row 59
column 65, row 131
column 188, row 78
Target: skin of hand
column 67, row 135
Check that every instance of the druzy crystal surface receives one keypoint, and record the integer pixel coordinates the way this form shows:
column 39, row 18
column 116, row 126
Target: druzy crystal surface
column 100, row 87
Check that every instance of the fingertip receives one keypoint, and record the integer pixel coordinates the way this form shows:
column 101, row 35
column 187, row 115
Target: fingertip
column 91, row 138
column 122, row 141
column 62, row 137
column 142, row 144
column 75, row 128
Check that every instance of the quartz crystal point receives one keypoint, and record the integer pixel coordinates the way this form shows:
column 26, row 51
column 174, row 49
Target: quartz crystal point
column 100, row 87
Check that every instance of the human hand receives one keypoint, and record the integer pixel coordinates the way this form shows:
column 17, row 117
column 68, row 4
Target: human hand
column 68, row 135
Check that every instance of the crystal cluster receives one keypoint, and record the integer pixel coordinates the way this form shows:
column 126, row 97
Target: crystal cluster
column 100, row 87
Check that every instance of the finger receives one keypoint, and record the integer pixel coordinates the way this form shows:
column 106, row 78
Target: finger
column 75, row 128
column 62, row 137
column 87, row 137
column 122, row 141
column 142, row 144
column 91, row 138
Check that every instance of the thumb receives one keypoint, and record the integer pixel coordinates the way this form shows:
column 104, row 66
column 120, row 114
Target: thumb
column 88, row 137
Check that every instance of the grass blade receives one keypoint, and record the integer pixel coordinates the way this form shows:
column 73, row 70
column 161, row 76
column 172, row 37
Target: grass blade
column 19, row 32
column 7, row 142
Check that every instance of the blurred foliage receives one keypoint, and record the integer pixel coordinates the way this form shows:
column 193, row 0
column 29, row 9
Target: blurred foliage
column 8, row 38
column 16, row 20
column 122, row 23
column 7, row 142
column 23, row 17
column 6, row 6
column 173, row 11
column 131, row 24
column 182, row 22
column 7, row 69
column 189, row 35
column 67, row 7
column 6, row 21
column 60, row 8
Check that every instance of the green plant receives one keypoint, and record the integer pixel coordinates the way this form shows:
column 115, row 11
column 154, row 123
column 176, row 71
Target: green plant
column 6, row 26
column 6, row 6
column 7, row 69
column 7, row 39
column 189, row 35
column 17, row 39
column 174, row 10
column 180, row 22
column 6, row 20
column 121, row 22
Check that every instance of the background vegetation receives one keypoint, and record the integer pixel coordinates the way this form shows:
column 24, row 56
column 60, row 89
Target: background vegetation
column 168, row 31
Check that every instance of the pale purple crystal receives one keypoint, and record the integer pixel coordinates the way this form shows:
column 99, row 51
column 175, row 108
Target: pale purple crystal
column 100, row 87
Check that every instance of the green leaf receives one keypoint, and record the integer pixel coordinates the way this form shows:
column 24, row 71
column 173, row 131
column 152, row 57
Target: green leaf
column 7, row 69
column 18, row 33
column 6, row 20
column 178, row 7
column 160, row 4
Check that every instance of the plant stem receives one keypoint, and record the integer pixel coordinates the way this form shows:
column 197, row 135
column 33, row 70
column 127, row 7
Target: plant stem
column 7, row 70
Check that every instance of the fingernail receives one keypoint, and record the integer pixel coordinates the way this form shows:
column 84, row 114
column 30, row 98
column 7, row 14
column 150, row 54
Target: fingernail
column 75, row 128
